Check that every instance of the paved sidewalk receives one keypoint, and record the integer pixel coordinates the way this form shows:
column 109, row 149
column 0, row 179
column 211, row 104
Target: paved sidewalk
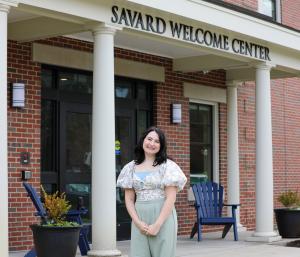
column 213, row 246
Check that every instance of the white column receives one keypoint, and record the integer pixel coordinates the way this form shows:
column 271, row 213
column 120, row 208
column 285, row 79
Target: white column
column 264, row 158
column 233, row 171
column 4, row 9
column 103, row 145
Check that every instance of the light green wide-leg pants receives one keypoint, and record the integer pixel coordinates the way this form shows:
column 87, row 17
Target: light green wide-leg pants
column 161, row 245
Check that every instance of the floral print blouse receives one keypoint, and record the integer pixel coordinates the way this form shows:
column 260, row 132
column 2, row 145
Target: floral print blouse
column 151, row 186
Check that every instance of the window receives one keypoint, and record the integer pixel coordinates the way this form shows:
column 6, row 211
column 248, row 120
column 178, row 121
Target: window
column 201, row 142
column 270, row 8
column 75, row 82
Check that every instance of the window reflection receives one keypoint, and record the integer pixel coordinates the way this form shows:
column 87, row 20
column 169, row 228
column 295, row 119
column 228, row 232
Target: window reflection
column 78, row 142
column 269, row 8
column 142, row 122
column 75, row 82
column 79, row 195
column 122, row 92
column 47, row 78
column 48, row 136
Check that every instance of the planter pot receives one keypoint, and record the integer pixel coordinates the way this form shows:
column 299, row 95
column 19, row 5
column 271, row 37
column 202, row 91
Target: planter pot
column 55, row 241
column 288, row 222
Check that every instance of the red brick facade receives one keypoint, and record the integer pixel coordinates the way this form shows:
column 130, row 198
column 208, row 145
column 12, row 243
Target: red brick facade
column 24, row 128
column 23, row 136
column 290, row 13
column 248, row 4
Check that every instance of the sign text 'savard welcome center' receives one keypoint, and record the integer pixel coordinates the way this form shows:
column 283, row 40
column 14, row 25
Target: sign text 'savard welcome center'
column 146, row 22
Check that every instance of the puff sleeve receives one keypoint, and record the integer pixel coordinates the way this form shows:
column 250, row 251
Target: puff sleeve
column 125, row 178
column 173, row 176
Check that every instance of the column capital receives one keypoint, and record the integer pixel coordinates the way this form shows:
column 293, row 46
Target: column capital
column 264, row 66
column 6, row 4
column 4, row 8
column 233, row 83
column 103, row 28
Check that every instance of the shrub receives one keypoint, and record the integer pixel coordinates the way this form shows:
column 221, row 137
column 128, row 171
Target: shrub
column 289, row 199
column 56, row 206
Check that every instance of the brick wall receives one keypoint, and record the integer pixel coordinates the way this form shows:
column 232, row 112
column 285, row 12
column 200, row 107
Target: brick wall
column 248, row 4
column 286, row 141
column 290, row 13
column 23, row 136
column 286, row 129
column 246, row 112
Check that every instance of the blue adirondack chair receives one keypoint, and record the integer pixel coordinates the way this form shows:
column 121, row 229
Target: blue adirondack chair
column 209, row 205
column 72, row 215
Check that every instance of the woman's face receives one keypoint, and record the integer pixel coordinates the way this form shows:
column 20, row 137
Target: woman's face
column 151, row 144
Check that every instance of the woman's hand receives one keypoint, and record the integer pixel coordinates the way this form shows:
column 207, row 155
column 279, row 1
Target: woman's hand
column 153, row 229
column 166, row 210
column 129, row 201
column 143, row 227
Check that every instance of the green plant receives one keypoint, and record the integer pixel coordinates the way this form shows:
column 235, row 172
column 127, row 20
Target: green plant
column 289, row 199
column 56, row 206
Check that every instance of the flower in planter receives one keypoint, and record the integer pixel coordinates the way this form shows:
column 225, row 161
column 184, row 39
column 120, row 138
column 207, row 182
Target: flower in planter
column 289, row 199
column 56, row 206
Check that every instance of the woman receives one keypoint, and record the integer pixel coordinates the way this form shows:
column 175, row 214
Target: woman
column 151, row 182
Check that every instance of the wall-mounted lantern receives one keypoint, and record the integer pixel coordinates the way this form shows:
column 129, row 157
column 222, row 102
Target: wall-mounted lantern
column 18, row 95
column 176, row 113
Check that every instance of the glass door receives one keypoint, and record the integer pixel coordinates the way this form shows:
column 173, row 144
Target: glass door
column 75, row 154
column 201, row 143
column 125, row 142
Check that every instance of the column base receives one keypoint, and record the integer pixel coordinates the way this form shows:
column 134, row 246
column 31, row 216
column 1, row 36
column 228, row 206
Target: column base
column 264, row 237
column 105, row 253
column 241, row 228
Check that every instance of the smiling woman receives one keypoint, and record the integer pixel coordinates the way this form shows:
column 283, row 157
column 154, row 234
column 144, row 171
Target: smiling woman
column 151, row 182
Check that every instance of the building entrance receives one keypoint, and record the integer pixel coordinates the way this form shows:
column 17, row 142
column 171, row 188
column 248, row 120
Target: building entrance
column 66, row 142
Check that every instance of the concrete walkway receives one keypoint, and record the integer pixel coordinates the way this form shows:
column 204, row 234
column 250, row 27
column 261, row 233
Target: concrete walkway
column 213, row 246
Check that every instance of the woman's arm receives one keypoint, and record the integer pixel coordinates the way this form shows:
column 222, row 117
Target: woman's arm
column 129, row 201
column 165, row 211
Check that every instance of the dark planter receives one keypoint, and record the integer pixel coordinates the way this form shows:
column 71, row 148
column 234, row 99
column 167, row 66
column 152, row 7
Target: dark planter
column 55, row 241
column 288, row 222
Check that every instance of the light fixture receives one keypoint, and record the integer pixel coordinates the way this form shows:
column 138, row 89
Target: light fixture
column 176, row 113
column 18, row 95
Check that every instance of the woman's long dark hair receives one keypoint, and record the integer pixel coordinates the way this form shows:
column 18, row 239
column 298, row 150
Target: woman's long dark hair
column 161, row 156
